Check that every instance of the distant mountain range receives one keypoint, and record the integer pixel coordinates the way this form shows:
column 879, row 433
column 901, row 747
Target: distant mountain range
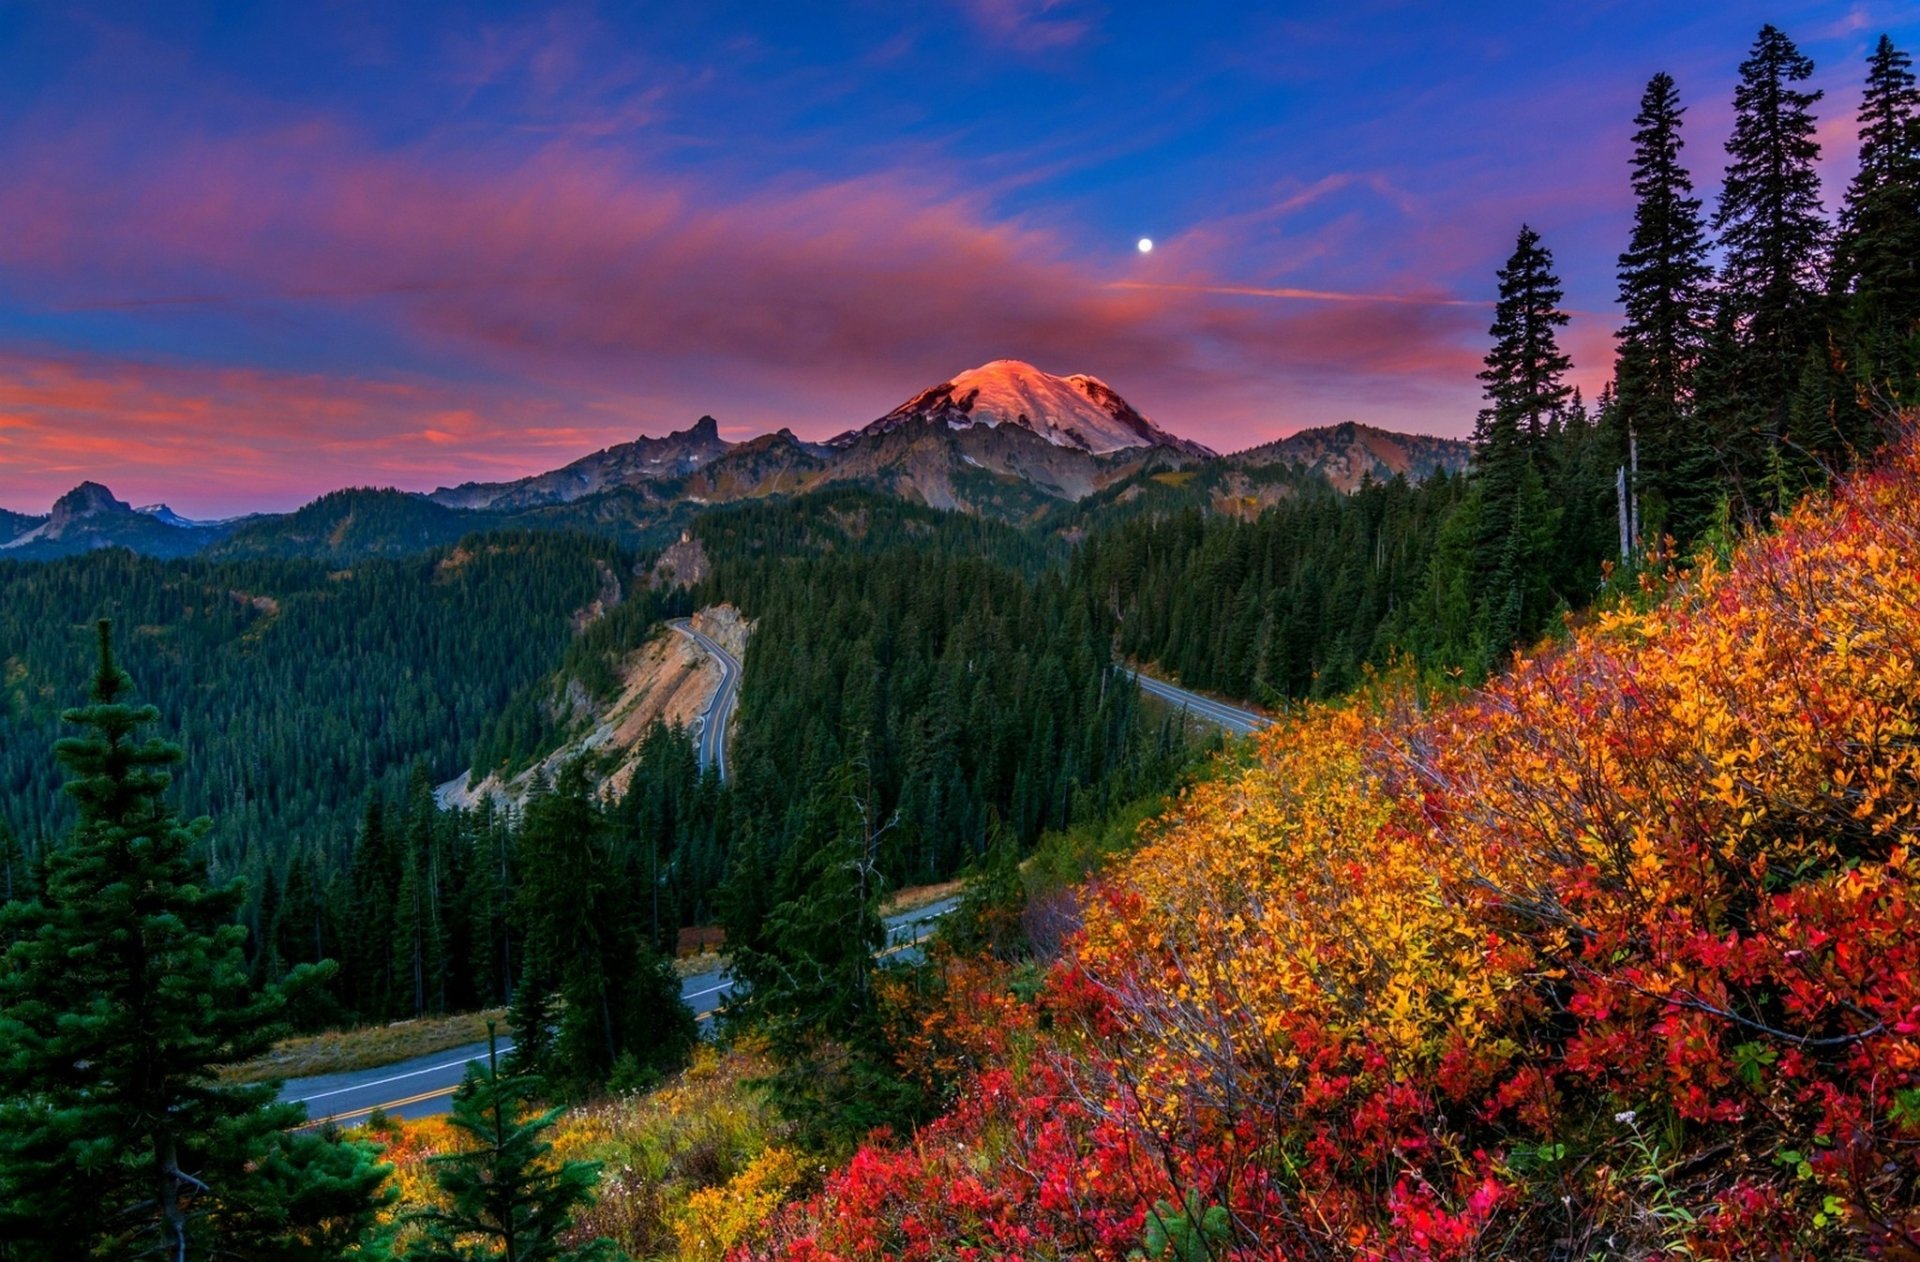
column 1004, row 440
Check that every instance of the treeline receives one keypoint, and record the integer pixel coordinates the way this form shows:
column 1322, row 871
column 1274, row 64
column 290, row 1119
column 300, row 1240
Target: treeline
column 433, row 910
column 961, row 693
column 1734, row 391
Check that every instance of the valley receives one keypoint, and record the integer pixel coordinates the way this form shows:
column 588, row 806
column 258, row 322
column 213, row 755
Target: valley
column 1417, row 760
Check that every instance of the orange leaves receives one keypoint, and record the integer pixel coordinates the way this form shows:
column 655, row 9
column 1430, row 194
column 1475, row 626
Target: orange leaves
column 1619, row 956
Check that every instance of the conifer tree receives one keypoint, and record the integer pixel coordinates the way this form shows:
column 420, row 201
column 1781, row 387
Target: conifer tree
column 587, row 947
column 1663, row 287
column 1774, row 236
column 1878, row 251
column 508, row 1198
column 807, row 984
column 1526, row 393
column 125, row 989
column 1877, row 256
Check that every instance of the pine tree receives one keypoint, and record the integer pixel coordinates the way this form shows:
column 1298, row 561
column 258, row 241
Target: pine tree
column 586, row 944
column 1878, row 251
column 808, row 984
column 1525, row 371
column 1526, row 393
column 1877, row 257
column 508, row 1199
column 124, row 991
column 1663, row 287
column 1774, row 237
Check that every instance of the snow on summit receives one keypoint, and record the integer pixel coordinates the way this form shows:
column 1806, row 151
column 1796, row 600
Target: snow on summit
column 1081, row 412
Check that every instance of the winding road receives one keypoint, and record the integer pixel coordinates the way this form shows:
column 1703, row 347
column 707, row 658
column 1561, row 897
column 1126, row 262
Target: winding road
column 1233, row 718
column 711, row 746
column 420, row 1087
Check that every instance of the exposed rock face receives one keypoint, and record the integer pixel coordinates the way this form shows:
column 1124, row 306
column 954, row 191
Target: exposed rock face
column 669, row 679
column 681, row 564
column 88, row 500
column 643, row 460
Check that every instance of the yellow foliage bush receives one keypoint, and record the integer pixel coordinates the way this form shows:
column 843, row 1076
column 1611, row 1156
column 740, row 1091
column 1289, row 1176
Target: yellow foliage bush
column 716, row 1219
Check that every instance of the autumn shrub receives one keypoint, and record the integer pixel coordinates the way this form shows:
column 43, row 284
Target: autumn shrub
column 688, row 1169
column 1616, row 957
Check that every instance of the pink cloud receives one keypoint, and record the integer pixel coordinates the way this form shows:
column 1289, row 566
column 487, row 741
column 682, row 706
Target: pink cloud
column 591, row 298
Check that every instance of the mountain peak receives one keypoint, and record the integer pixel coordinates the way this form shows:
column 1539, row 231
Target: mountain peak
column 1078, row 411
column 89, row 499
column 1350, row 452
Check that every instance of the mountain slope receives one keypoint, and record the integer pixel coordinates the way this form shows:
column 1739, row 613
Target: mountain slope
column 352, row 524
column 642, row 460
column 1347, row 453
column 1619, row 956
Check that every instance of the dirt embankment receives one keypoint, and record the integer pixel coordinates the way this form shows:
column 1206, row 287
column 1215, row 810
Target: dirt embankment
column 670, row 678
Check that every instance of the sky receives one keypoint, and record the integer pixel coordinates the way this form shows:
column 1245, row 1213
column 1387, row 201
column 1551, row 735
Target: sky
column 251, row 253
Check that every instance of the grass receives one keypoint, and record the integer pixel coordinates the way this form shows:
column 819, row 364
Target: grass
column 915, row 897
column 338, row 1051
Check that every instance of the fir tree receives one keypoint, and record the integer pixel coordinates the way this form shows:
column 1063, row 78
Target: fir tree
column 1525, row 371
column 508, row 1199
column 586, row 943
column 1526, row 394
column 1877, row 257
column 1773, row 234
column 1878, row 251
column 808, row 983
column 124, row 991
column 1663, row 287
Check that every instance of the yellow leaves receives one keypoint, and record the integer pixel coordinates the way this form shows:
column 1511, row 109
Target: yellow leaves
column 1765, row 718
column 716, row 1220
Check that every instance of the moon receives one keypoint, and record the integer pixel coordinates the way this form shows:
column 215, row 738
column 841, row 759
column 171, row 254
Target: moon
column 1146, row 245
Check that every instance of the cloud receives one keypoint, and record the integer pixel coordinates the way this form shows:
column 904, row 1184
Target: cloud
column 601, row 283
column 1028, row 26
column 214, row 440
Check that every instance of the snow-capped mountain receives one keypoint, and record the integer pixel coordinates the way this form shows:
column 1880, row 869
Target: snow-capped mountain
column 1080, row 412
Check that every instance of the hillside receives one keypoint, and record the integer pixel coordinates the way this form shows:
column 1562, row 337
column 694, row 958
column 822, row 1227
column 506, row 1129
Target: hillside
column 1350, row 453
column 669, row 680
column 1619, row 956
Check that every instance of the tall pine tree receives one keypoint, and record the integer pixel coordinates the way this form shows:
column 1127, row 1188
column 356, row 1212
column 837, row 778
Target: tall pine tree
column 1878, row 251
column 1877, row 256
column 1527, row 394
column 1663, row 287
column 1773, row 234
column 125, row 989
column 587, row 952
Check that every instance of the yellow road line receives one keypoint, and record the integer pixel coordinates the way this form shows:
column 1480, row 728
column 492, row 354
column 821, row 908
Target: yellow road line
column 390, row 1104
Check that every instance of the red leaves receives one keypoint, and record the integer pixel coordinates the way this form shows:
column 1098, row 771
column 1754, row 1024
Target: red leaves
column 1620, row 956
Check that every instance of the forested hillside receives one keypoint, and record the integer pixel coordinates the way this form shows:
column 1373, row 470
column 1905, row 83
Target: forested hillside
column 1615, row 957
column 297, row 689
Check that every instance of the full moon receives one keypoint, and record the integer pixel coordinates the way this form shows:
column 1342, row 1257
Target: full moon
column 1146, row 245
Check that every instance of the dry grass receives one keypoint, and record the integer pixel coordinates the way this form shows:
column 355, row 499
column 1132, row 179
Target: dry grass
column 337, row 1051
column 915, row 897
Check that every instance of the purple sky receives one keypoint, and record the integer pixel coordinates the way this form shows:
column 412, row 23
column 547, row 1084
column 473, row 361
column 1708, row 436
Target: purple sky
column 251, row 253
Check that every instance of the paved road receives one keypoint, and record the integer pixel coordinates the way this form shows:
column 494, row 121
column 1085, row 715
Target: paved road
column 1233, row 718
column 712, row 744
column 420, row 1087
